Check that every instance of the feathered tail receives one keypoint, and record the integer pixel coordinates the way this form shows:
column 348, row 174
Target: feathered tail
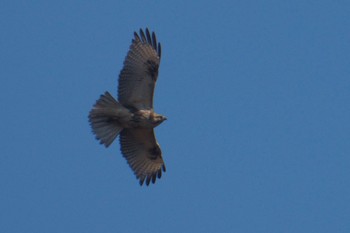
column 106, row 118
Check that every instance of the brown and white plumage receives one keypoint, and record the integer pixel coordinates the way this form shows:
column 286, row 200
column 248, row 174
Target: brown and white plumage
column 138, row 77
column 141, row 150
column 133, row 116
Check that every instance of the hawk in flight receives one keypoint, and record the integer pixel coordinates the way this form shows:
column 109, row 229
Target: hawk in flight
column 132, row 116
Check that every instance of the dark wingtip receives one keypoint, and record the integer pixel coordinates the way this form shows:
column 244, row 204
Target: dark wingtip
column 141, row 181
column 154, row 41
column 159, row 174
column 159, row 50
column 148, row 35
column 154, row 177
column 151, row 178
column 148, row 180
column 137, row 38
column 145, row 36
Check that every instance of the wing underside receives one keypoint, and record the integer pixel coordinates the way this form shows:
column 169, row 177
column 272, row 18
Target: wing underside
column 140, row 72
column 143, row 154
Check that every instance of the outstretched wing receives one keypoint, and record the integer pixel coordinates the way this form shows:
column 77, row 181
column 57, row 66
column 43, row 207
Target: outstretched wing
column 138, row 77
column 143, row 154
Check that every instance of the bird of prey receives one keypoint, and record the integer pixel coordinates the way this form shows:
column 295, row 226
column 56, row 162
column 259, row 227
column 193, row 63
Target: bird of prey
column 132, row 117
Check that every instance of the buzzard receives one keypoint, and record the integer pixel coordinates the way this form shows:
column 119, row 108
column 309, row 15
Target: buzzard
column 132, row 116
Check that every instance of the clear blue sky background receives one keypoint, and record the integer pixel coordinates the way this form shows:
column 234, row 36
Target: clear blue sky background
column 257, row 95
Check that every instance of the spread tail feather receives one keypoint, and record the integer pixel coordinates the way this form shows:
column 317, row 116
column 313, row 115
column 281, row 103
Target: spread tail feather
column 105, row 118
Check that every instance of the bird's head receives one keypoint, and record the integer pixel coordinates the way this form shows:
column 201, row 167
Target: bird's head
column 157, row 119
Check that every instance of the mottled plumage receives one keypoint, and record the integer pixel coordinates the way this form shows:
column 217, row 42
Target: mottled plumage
column 132, row 116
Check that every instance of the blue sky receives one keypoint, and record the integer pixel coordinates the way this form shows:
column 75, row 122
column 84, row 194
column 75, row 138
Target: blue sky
column 257, row 95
